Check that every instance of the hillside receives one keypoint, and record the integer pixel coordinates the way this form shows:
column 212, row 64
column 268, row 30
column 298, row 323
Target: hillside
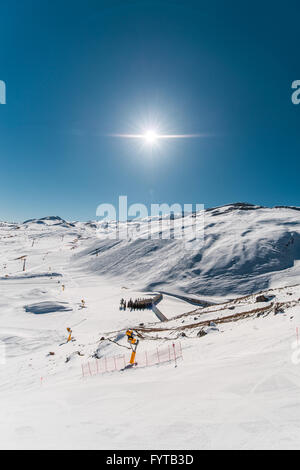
column 246, row 248
column 233, row 306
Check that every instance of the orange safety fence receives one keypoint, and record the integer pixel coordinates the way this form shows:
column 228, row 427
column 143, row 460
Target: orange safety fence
column 162, row 355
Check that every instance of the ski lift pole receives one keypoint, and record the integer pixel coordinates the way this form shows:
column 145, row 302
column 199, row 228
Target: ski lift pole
column 132, row 359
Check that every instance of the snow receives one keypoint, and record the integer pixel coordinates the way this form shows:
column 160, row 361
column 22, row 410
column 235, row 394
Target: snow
column 47, row 307
column 237, row 387
column 243, row 251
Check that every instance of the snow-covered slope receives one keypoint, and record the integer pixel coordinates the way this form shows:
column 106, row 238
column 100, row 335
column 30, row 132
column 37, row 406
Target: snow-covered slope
column 238, row 383
column 246, row 248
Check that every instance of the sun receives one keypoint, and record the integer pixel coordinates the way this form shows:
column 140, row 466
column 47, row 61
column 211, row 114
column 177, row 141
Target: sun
column 150, row 137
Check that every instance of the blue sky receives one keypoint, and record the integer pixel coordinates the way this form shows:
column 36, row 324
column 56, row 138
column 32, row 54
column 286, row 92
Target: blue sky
column 77, row 71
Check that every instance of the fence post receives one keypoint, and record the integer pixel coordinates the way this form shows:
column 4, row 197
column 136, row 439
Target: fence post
column 90, row 369
column 97, row 366
column 175, row 355
column 146, row 355
column 124, row 360
column 115, row 362
column 105, row 364
column 169, row 352
column 158, row 356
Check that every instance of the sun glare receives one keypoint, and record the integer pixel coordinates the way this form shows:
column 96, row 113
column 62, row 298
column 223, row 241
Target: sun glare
column 150, row 137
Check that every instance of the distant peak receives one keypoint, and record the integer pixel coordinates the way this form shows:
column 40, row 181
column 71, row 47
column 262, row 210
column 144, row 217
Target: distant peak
column 235, row 206
column 50, row 218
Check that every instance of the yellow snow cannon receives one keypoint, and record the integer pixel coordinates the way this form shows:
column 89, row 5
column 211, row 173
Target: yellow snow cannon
column 133, row 344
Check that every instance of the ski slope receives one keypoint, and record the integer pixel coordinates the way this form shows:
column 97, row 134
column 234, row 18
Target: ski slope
column 238, row 385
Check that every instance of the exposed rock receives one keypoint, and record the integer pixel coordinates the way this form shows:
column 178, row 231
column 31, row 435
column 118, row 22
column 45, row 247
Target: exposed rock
column 201, row 333
column 278, row 309
column 261, row 298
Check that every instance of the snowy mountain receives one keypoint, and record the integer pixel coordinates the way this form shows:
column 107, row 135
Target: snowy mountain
column 246, row 248
column 48, row 221
column 232, row 306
